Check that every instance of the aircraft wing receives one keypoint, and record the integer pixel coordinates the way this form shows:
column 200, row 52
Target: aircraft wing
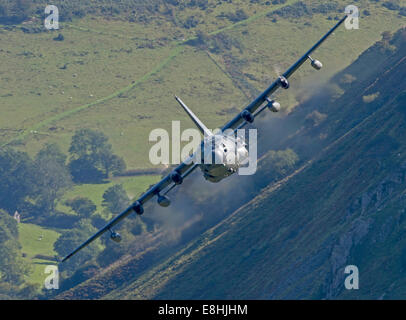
column 239, row 121
column 184, row 169
column 187, row 167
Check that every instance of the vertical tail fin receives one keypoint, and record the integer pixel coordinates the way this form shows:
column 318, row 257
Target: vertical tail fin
column 203, row 129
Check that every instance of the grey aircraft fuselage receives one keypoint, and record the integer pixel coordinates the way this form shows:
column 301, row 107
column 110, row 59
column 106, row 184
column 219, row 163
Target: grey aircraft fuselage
column 222, row 155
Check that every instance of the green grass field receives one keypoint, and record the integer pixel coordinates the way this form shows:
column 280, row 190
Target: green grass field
column 36, row 240
column 114, row 83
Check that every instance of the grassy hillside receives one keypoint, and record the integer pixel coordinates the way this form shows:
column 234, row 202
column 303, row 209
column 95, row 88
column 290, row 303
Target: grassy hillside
column 120, row 76
column 344, row 205
column 38, row 250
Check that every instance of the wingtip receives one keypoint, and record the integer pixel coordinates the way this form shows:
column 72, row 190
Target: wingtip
column 64, row 259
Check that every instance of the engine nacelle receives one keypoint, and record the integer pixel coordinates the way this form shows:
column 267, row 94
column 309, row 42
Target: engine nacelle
column 284, row 82
column 316, row 64
column 164, row 201
column 247, row 116
column 176, row 177
column 115, row 236
column 273, row 105
column 138, row 208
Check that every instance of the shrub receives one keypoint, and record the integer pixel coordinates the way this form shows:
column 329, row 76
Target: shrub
column 60, row 37
column 391, row 5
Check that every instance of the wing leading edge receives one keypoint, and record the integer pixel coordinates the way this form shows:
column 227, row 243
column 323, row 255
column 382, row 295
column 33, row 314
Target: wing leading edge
column 256, row 104
column 183, row 169
column 187, row 167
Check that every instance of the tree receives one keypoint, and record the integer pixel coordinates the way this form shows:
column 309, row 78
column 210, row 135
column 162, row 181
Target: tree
column 92, row 156
column 19, row 11
column 3, row 10
column 52, row 176
column 113, row 251
column 111, row 163
column 115, row 199
column 282, row 161
column 12, row 267
column 275, row 165
column 83, row 206
column 60, row 37
column 98, row 221
column 83, row 170
column 386, row 35
column 23, row 8
column 71, row 239
column 86, row 143
column 17, row 179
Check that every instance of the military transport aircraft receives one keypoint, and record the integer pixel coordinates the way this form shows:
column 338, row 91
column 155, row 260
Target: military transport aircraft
column 219, row 147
